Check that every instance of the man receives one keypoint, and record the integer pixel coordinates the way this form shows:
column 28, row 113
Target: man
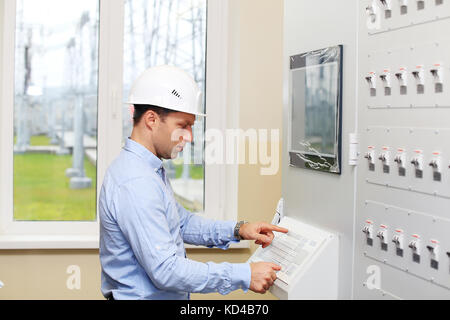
column 142, row 227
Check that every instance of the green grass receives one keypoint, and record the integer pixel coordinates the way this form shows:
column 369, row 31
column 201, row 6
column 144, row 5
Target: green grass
column 40, row 141
column 42, row 193
column 196, row 172
column 37, row 141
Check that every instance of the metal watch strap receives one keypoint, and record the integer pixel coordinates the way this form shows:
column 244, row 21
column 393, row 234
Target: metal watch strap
column 237, row 228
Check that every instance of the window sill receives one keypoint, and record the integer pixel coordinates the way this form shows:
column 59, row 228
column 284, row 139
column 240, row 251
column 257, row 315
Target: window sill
column 33, row 242
column 22, row 242
column 236, row 245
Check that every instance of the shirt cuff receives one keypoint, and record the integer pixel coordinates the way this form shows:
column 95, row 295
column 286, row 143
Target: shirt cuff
column 229, row 227
column 241, row 276
column 226, row 235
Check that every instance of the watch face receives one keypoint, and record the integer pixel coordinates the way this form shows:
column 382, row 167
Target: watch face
column 236, row 230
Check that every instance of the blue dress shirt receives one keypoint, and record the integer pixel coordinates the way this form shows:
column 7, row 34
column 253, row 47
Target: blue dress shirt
column 142, row 234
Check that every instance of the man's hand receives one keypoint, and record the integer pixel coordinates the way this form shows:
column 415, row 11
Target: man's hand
column 263, row 276
column 262, row 232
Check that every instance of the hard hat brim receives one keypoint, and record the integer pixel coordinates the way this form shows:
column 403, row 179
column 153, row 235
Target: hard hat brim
column 171, row 108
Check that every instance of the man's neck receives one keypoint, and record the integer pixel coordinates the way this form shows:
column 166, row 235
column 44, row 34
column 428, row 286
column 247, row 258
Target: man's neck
column 144, row 141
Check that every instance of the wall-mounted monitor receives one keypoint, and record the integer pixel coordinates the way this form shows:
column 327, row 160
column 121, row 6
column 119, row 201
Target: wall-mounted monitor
column 316, row 110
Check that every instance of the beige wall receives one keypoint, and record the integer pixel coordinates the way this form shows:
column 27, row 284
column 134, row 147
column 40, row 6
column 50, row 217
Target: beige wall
column 42, row 274
column 256, row 45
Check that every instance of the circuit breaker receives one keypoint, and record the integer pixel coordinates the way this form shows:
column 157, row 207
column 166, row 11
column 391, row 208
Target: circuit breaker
column 403, row 184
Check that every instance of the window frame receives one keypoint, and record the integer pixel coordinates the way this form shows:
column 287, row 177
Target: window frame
column 220, row 201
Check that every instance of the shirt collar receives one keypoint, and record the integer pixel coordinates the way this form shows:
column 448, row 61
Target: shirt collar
column 144, row 153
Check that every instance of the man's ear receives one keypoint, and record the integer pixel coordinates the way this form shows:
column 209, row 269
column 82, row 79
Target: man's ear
column 151, row 119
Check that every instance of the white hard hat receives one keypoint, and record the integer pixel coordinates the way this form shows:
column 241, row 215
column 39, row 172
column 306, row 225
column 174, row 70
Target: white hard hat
column 167, row 87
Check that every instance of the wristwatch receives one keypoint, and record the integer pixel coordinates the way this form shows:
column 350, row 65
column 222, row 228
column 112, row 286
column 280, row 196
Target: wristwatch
column 237, row 228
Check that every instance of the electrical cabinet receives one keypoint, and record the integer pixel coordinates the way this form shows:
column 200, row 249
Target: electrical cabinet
column 402, row 243
column 391, row 210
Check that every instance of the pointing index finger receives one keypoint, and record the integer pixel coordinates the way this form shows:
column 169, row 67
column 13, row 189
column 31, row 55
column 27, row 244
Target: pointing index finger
column 275, row 267
column 278, row 229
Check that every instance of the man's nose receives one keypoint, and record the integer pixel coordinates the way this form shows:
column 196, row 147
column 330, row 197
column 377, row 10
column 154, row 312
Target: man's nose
column 187, row 135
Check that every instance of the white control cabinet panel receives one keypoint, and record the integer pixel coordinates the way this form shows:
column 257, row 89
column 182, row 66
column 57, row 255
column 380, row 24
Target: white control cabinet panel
column 309, row 260
column 402, row 235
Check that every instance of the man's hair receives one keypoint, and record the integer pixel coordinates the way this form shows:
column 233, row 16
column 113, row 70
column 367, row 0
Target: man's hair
column 141, row 109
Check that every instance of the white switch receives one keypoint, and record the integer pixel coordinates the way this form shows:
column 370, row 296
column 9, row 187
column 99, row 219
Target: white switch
column 433, row 248
column 415, row 244
column 400, row 158
column 435, row 163
column 371, row 79
column 372, row 12
column 370, row 156
column 385, row 156
column 398, row 239
column 417, row 161
column 402, row 77
column 438, row 73
column 386, row 80
column 382, row 234
column 368, row 230
column 419, row 75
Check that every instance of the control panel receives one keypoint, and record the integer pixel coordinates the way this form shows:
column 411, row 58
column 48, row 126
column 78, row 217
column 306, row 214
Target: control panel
column 308, row 257
column 403, row 184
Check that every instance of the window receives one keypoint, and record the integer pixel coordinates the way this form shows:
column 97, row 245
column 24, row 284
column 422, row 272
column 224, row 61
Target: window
column 62, row 121
column 55, row 110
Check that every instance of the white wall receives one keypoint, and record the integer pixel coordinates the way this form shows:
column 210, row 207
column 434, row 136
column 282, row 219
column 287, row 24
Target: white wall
column 322, row 199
